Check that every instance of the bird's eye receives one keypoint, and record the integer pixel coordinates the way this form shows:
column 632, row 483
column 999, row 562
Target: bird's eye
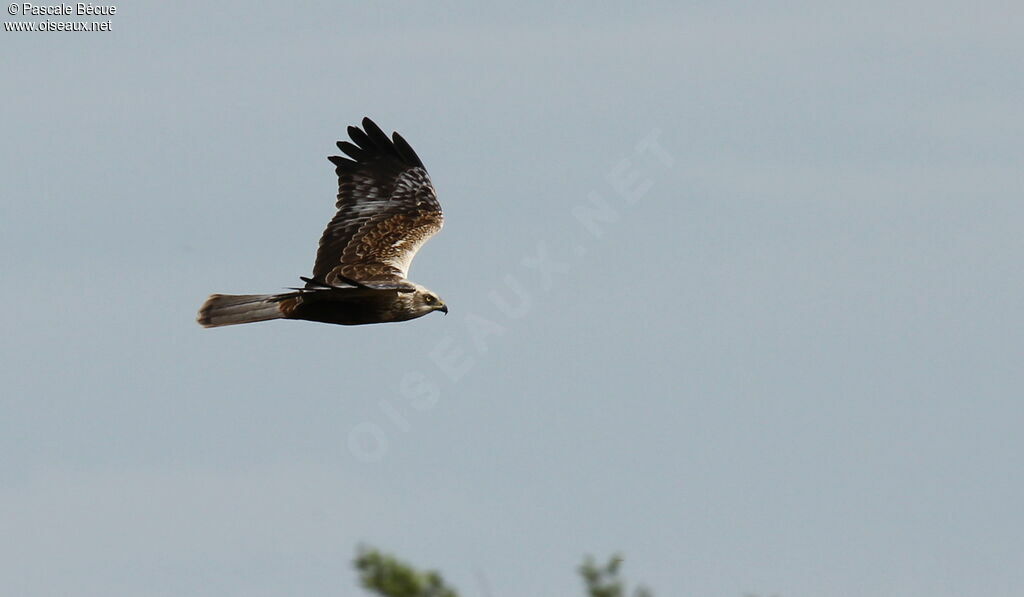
column 429, row 300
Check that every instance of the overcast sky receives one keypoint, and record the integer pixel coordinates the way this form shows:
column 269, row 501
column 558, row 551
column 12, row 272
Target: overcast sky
column 735, row 290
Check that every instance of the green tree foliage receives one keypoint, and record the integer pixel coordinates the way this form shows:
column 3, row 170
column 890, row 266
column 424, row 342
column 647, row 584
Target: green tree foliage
column 604, row 581
column 387, row 576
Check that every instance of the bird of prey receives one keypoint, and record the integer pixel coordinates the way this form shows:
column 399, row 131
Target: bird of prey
column 387, row 209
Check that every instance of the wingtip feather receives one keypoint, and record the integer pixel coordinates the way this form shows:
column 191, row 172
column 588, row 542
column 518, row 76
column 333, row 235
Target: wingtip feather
column 405, row 150
column 340, row 162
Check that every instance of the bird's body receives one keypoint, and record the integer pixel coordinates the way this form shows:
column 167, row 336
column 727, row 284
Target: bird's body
column 387, row 209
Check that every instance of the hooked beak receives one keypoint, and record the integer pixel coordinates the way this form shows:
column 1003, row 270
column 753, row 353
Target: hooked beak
column 443, row 309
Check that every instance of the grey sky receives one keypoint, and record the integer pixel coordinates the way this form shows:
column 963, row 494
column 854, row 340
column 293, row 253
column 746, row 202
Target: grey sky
column 791, row 366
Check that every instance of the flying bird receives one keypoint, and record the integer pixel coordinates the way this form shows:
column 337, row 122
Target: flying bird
column 387, row 208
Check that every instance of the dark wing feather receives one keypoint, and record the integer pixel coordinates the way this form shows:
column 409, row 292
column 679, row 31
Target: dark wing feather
column 387, row 209
column 352, row 151
column 406, row 151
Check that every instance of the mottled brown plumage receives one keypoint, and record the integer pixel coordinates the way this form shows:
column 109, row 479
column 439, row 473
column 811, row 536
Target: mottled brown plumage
column 387, row 209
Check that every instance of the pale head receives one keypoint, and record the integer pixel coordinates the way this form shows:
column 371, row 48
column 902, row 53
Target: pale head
column 426, row 301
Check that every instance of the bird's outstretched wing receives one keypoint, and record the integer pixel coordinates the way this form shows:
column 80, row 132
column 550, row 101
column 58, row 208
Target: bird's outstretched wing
column 387, row 209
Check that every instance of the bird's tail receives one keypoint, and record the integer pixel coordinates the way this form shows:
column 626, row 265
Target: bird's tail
column 230, row 309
